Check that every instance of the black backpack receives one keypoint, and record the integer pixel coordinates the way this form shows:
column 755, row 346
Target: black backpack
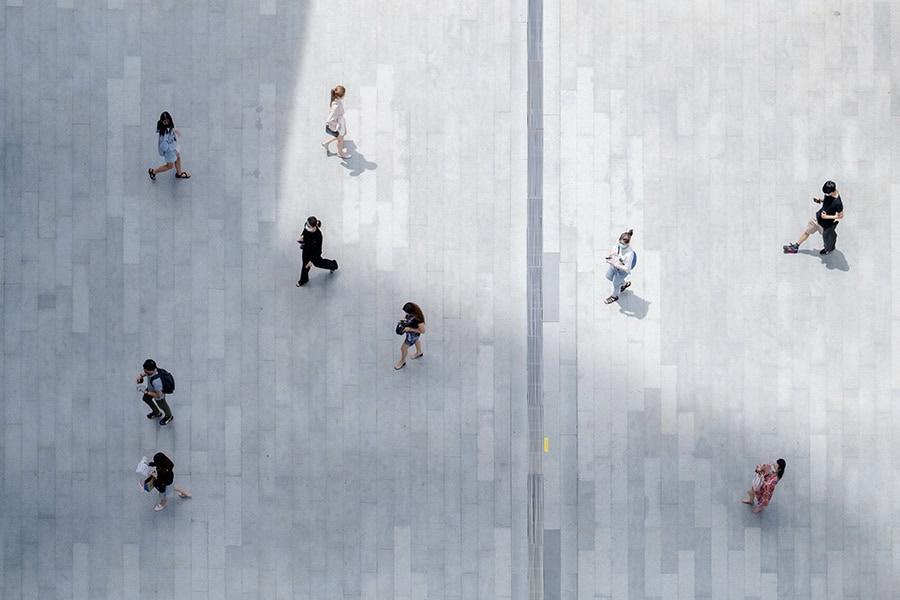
column 168, row 382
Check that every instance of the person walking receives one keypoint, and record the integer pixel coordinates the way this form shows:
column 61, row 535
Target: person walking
column 825, row 221
column 168, row 148
column 621, row 261
column 335, row 126
column 154, row 394
column 767, row 477
column 165, row 477
column 413, row 326
column 311, row 243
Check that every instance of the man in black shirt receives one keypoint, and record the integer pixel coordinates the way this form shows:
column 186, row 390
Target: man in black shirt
column 825, row 220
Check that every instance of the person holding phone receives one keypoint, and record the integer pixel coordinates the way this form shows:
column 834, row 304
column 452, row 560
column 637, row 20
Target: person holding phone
column 620, row 260
column 825, row 221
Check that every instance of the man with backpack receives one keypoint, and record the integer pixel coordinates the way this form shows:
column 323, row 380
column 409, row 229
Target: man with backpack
column 159, row 383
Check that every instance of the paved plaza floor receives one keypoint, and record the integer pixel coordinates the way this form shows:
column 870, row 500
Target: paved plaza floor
column 320, row 472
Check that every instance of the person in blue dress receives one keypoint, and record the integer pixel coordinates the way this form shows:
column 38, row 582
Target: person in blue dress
column 414, row 326
column 168, row 148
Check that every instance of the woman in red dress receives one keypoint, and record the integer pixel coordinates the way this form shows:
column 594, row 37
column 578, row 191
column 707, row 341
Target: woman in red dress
column 764, row 482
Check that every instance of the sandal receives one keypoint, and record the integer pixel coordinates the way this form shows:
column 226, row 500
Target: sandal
column 611, row 299
column 624, row 286
column 152, row 174
column 396, row 368
column 183, row 175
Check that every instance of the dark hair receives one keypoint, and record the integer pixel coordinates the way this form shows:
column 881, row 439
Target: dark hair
column 411, row 308
column 781, row 465
column 149, row 365
column 313, row 222
column 161, row 127
column 629, row 233
column 162, row 462
column 829, row 187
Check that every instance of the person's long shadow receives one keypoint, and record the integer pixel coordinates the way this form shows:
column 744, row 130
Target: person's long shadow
column 357, row 163
column 632, row 305
column 834, row 260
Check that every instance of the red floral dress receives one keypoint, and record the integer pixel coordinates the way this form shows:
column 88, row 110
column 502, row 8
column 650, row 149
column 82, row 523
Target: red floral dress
column 764, row 483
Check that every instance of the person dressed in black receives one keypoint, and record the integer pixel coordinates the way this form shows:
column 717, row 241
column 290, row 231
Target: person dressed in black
column 311, row 243
column 163, row 478
column 825, row 221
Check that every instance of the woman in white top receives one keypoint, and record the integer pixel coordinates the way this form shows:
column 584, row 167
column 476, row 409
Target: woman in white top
column 620, row 261
column 335, row 125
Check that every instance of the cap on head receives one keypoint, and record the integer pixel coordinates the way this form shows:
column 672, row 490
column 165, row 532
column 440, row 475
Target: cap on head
column 829, row 187
column 149, row 365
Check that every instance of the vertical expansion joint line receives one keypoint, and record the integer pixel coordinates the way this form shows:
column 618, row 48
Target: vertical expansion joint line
column 534, row 297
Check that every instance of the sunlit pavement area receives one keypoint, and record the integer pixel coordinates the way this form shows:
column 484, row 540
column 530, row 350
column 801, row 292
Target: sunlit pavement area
column 317, row 470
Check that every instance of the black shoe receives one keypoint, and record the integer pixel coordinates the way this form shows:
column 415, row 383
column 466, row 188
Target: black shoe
column 166, row 421
column 335, row 267
column 791, row 248
column 824, row 251
column 154, row 415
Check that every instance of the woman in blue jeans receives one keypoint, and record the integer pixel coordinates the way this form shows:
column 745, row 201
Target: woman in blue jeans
column 620, row 261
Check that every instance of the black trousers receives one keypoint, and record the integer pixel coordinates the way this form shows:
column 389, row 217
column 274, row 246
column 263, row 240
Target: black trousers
column 317, row 261
column 829, row 235
column 152, row 402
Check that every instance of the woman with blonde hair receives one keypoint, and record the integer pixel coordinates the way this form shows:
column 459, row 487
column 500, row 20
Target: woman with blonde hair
column 335, row 126
column 413, row 326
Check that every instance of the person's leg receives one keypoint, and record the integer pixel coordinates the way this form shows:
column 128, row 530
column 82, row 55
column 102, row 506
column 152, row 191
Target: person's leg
column 811, row 227
column 404, row 349
column 179, row 173
column 325, row 263
column 342, row 152
column 162, row 502
column 611, row 275
column 163, row 168
column 182, row 493
column 304, row 275
column 829, row 239
column 418, row 349
column 148, row 400
column 749, row 498
column 164, row 404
